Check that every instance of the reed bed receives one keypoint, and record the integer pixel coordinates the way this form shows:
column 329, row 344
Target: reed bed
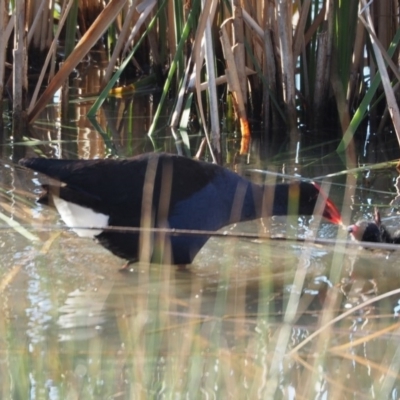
column 295, row 324
column 290, row 64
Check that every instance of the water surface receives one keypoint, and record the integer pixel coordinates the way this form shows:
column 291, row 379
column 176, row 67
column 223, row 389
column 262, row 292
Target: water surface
column 238, row 323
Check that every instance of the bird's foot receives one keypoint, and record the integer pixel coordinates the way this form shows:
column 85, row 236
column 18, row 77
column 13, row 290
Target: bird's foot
column 126, row 267
column 182, row 268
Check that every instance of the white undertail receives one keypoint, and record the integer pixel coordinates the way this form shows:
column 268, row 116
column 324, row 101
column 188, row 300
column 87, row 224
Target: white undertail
column 75, row 216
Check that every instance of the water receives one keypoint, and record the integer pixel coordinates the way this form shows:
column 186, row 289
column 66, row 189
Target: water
column 238, row 323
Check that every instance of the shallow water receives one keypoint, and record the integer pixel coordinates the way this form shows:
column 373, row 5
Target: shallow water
column 74, row 326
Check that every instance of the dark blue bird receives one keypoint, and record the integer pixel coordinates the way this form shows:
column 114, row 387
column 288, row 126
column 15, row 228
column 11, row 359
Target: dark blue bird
column 373, row 231
column 166, row 191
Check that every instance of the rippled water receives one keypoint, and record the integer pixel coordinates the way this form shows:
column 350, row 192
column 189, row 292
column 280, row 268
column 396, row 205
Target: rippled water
column 74, row 324
column 251, row 318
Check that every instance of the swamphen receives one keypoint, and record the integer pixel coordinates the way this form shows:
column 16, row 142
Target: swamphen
column 373, row 231
column 163, row 190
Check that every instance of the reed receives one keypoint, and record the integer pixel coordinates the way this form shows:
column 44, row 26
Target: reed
column 299, row 319
column 312, row 59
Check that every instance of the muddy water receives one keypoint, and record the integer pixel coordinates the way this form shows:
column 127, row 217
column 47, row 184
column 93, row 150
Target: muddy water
column 74, row 326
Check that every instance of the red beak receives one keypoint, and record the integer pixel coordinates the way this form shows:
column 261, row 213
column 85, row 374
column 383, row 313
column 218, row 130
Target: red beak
column 331, row 213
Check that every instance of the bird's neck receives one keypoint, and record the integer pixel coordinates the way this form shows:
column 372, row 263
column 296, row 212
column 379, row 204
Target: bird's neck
column 244, row 200
column 251, row 201
column 267, row 200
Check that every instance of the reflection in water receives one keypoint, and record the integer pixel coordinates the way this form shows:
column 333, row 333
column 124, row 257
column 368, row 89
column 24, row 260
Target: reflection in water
column 91, row 328
column 39, row 311
column 75, row 327
column 83, row 314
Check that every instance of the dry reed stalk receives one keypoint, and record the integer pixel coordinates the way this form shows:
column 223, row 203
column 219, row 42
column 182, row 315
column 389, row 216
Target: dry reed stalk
column 126, row 28
column 3, row 47
column 296, row 304
column 82, row 48
column 234, row 86
column 383, row 12
column 144, row 9
column 153, row 43
column 357, row 65
column 89, row 10
column 212, row 88
column 381, row 49
column 222, row 79
column 258, row 39
column 317, row 21
column 319, row 347
column 257, row 7
column 390, row 97
column 344, row 115
column 171, row 33
column 40, row 25
column 33, row 12
column 320, row 84
column 254, row 25
column 321, row 89
column 341, row 317
column 17, row 227
column 269, row 70
column 208, row 9
column 175, row 117
column 283, row 15
column 51, row 53
column 391, row 366
column 238, row 47
column 20, row 68
column 46, row 31
column 267, row 86
column 335, row 271
column 298, row 41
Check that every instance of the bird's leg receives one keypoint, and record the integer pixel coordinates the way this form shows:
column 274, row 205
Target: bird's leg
column 125, row 267
column 182, row 268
